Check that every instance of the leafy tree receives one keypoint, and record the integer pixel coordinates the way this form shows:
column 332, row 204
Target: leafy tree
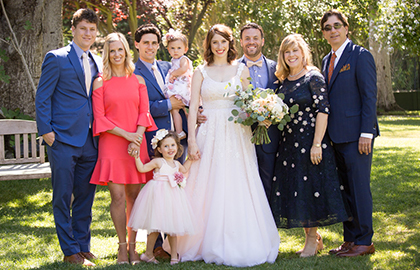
column 116, row 15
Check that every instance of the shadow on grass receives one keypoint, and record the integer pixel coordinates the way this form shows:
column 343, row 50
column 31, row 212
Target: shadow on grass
column 26, row 216
column 396, row 205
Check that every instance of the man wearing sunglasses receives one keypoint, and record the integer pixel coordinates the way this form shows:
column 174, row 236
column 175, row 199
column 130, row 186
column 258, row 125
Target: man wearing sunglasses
column 350, row 73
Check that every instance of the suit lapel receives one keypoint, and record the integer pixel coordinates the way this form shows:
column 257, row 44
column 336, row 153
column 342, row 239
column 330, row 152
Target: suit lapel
column 343, row 59
column 74, row 60
column 148, row 76
column 271, row 68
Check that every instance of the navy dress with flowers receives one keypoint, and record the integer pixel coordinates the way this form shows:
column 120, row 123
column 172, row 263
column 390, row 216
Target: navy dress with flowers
column 304, row 194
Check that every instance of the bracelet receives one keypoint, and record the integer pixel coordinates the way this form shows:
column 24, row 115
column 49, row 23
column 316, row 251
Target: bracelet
column 317, row 145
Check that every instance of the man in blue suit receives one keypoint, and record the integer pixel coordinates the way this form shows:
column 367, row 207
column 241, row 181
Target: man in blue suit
column 148, row 38
column 350, row 73
column 261, row 71
column 64, row 116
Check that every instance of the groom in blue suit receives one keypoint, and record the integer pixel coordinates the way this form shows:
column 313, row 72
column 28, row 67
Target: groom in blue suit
column 350, row 73
column 64, row 117
column 261, row 71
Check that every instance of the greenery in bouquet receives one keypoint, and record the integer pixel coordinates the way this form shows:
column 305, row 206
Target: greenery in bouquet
column 260, row 106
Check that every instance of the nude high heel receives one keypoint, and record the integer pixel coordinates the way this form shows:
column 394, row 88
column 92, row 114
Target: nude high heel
column 311, row 244
column 119, row 247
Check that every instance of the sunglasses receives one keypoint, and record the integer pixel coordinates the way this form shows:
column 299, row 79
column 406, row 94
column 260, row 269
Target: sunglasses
column 329, row 27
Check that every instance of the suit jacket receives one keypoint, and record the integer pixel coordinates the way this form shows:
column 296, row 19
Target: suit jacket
column 157, row 100
column 272, row 83
column 62, row 104
column 352, row 94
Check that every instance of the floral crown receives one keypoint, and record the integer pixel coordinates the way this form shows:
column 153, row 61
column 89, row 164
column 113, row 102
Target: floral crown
column 171, row 35
column 160, row 134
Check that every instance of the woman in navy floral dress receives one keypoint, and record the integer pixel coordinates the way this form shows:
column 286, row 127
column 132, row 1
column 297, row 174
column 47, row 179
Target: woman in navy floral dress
column 306, row 191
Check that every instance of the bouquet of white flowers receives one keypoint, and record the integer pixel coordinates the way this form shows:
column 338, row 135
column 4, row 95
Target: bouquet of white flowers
column 259, row 105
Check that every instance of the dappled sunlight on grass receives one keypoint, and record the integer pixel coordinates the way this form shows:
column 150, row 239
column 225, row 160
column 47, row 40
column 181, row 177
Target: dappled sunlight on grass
column 28, row 238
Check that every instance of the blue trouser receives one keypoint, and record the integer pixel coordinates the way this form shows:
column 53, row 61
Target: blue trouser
column 354, row 170
column 71, row 169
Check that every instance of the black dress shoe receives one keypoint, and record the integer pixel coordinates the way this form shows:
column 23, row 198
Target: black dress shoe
column 358, row 250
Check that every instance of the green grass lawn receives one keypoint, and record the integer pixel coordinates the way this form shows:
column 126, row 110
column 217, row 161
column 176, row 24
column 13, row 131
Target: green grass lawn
column 28, row 239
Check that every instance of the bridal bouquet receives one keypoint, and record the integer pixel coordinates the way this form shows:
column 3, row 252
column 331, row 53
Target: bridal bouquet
column 259, row 106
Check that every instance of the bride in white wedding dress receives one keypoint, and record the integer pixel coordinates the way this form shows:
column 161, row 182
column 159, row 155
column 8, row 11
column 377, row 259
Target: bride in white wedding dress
column 235, row 223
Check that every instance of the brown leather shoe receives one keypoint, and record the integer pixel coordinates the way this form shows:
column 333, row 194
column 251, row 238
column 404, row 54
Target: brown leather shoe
column 88, row 255
column 346, row 246
column 358, row 250
column 78, row 259
column 160, row 253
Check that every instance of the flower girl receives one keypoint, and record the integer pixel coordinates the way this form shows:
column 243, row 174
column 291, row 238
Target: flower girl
column 178, row 79
column 162, row 205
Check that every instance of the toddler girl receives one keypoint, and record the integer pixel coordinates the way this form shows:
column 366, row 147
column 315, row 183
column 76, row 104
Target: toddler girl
column 162, row 204
column 178, row 79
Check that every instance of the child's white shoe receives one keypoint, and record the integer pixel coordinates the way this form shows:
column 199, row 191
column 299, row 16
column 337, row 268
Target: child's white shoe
column 182, row 135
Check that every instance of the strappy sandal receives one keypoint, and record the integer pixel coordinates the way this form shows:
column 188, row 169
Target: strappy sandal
column 144, row 258
column 134, row 262
column 122, row 262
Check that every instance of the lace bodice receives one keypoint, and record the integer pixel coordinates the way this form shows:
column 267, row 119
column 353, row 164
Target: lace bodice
column 213, row 92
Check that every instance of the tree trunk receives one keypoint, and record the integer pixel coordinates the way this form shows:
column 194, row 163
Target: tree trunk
column 386, row 99
column 45, row 34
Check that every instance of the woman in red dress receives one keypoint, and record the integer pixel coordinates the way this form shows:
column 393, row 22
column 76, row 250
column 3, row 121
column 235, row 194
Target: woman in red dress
column 121, row 113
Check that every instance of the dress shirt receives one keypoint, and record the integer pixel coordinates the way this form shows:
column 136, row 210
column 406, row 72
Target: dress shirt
column 79, row 53
column 338, row 53
column 258, row 74
column 149, row 67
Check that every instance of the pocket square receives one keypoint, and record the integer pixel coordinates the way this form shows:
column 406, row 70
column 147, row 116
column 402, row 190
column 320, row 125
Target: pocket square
column 345, row 68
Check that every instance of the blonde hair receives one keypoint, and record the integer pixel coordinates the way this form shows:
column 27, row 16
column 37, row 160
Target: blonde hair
column 129, row 65
column 289, row 42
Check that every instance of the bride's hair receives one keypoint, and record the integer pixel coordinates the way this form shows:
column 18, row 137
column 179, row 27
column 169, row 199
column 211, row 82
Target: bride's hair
column 226, row 33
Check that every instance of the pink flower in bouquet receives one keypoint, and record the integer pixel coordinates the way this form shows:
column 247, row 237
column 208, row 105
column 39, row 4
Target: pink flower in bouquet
column 179, row 179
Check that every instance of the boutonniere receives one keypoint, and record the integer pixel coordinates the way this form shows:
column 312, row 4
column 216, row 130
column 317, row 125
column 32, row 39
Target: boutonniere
column 345, row 68
column 276, row 82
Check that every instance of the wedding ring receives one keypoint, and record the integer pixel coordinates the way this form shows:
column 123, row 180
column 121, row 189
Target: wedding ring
column 139, row 137
column 319, row 157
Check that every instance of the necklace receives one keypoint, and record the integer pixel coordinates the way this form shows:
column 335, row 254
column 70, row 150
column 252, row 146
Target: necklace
column 292, row 76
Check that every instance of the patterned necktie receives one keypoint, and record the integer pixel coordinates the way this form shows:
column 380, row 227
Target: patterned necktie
column 250, row 63
column 331, row 67
column 88, row 74
column 159, row 78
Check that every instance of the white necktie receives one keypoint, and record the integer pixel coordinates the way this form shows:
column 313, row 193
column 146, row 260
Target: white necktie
column 88, row 74
column 159, row 78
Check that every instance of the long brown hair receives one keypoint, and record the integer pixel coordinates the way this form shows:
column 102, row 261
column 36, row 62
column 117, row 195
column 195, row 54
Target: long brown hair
column 226, row 33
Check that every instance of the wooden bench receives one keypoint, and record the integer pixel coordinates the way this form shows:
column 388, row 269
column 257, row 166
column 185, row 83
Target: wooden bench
column 25, row 162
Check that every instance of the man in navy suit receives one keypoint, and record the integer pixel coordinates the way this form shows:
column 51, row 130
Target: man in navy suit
column 261, row 71
column 148, row 38
column 64, row 116
column 350, row 73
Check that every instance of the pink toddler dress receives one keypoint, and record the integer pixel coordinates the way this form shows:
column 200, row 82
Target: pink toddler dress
column 163, row 206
